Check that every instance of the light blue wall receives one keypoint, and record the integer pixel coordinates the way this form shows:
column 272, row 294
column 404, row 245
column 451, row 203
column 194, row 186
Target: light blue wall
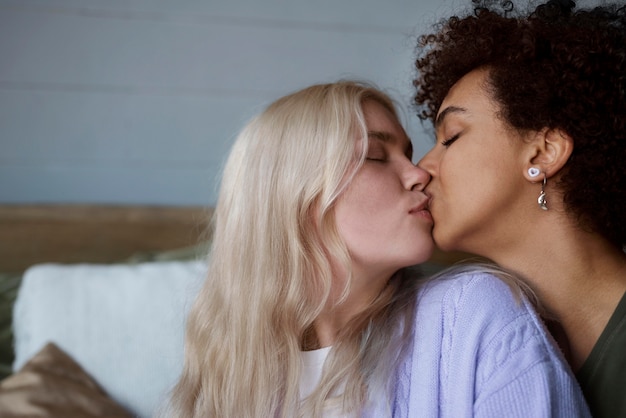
column 137, row 101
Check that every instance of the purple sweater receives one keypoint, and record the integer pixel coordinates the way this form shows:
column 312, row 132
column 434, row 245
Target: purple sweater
column 478, row 351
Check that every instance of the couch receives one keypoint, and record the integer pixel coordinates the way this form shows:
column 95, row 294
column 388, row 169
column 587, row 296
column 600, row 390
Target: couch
column 94, row 299
column 97, row 314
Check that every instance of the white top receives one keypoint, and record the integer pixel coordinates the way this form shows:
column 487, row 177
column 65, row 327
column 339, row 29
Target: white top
column 312, row 364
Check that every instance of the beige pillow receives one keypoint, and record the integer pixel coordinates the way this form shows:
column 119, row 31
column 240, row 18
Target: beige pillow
column 52, row 384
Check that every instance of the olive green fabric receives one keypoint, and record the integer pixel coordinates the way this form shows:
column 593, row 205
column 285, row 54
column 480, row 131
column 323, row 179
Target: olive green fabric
column 194, row 252
column 603, row 376
column 9, row 283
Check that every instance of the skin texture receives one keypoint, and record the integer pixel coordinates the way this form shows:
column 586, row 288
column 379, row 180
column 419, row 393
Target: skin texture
column 553, row 65
column 485, row 202
column 476, row 171
column 381, row 216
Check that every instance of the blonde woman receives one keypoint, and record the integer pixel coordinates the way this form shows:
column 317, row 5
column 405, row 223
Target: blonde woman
column 309, row 308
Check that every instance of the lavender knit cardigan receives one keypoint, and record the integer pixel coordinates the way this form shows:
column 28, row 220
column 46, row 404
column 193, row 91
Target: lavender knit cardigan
column 478, row 351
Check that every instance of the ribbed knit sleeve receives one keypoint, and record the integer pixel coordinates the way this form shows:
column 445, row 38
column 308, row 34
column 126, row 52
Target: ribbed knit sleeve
column 481, row 351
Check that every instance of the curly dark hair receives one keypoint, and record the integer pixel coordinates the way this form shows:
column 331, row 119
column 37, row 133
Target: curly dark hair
column 552, row 67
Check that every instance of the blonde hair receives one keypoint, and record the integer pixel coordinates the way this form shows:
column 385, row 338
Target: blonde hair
column 270, row 275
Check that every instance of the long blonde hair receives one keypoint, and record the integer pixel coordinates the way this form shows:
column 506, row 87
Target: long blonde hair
column 270, row 272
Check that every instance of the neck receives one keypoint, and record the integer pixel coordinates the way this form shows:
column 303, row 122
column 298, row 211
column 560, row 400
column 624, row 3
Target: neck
column 342, row 309
column 579, row 278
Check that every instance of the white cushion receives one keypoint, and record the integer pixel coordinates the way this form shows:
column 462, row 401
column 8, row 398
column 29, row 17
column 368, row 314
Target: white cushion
column 124, row 324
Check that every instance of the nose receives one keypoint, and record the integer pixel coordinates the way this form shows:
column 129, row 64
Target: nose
column 427, row 162
column 416, row 178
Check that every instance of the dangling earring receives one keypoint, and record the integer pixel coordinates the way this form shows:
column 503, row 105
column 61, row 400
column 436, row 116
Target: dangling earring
column 541, row 201
column 542, row 196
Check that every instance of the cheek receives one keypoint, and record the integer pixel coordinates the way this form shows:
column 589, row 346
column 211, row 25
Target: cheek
column 352, row 224
column 368, row 192
column 463, row 172
column 363, row 207
column 454, row 195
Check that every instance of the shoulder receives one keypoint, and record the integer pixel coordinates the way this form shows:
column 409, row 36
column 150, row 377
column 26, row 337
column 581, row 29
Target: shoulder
column 476, row 308
column 488, row 335
column 474, row 290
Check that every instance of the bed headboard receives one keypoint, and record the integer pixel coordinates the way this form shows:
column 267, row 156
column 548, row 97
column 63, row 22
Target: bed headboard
column 31, row 234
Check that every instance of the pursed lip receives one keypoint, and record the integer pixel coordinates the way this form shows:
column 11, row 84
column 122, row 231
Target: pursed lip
column 422, row 207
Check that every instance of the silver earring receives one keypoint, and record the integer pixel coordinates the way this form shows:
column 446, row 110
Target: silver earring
column 533, row 171
column 542, row 196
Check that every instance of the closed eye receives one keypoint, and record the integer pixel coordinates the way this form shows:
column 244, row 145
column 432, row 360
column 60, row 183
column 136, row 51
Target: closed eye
column 447, row 142
column 376, row 152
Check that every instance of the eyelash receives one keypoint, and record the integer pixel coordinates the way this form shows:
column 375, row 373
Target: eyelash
column 447, row 142
column 376, row 154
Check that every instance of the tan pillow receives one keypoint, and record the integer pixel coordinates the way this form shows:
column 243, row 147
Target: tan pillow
column 52, row 384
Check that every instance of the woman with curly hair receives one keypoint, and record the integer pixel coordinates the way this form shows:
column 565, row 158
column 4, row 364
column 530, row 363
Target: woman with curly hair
column 309, row 307
column 529, row 166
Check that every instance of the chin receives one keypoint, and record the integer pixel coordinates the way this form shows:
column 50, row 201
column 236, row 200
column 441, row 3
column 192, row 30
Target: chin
column 445, row 243
column 426, row 251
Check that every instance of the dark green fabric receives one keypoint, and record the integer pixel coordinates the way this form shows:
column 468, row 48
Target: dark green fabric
column 194, row 252
column 603, row 376
column 9, row 283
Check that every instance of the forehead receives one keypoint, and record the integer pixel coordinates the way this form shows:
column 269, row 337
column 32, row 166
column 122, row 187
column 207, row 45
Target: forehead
column 375, row 111
column 380, row 119
column 470, row 95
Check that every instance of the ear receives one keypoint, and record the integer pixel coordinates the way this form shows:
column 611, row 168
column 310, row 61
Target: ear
column 548, row 151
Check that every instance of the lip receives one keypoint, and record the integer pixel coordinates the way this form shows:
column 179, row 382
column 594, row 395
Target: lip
column 423, row 205
column 422, row 210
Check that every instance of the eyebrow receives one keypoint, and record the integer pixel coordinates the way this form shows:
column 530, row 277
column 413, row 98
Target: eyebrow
column 386, row 137
column 450, row 109
column 383, row 136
